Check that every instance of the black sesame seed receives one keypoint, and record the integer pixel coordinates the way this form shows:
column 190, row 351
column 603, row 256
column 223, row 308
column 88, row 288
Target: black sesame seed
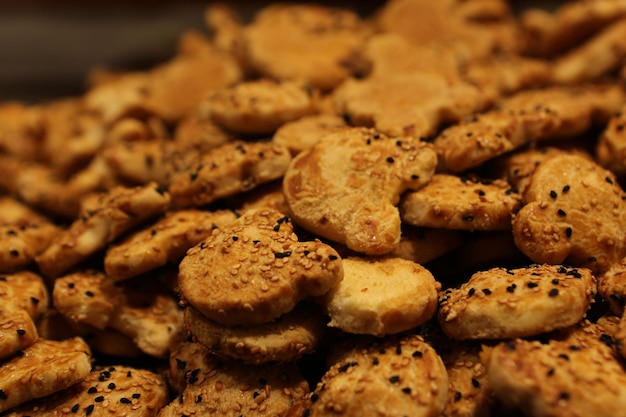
column 566, row 188
column 390, row 159
column 21, row 332
column 99, row 398
column 71, row 285
column 306, row 413
column 198, row 399
column 3, row 395
column 555, row 281
column 468, row 217
column 568, row 232
column 280, row 255
column 89, row 409
column 160, row 189
column 550, row 372
column 235, row 238
column 136, row 395
column 74, row 408
column 592, row 259
column 180, row 364
column 415, row 177
column 125, row 400
column 532, row 284
column 332, row 257
column 553, row 194
column 255, row 394
column 92, row 390
column 564, row 356
column 553, row 292
column 561, row 213
column 564, row 396
column 486, row 291
column 607, row 340
column 14, row 253
column 375, row 361
column 398, row 349
column 457, row 396
column 394, row 379
column 475, row 383
column 89, row 293
column 609, row 180
column 111, row 385
column 417, row 354
column 574, row 347
column 406, row 390
column 511, row 288
column 480, row 193
column 34, row 300
column 471, row 292
column 193, row 176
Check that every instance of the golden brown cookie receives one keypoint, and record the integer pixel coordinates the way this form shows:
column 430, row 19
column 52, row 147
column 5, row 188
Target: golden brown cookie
column 43, row 369
column 21, row 244
column 506, row 303
column 267, row 195
column 612, row 286
column 255, row 269
column 578, row 375
column 162, row 242
column 14, row 212
column 196, row 131
column 599, row 56
column 462, row 203
column 287, row 338
column 388, row 377
column 528, row 116
column 232, row 388
column 114, row 213
column 141, row 309
column 15, row 136
column 260, row 107
column 346, row 187
column 549, row 33
column 473, row 29
column 423, row 244
column 312, row 42
column 303, row 133
column 187, row 361
column 228, row 170
column 381, row 296
column 573, row 214
column 611, row 146
column 106, row 391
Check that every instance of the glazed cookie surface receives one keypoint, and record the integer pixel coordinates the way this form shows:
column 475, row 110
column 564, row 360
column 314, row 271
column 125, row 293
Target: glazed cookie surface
column 502, row 303
column 255, row 269
column 346, row 187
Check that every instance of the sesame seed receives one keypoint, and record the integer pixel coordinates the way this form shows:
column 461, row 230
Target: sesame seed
column 406, row 390
column 89, row 293
column 125, row 400
column 564, row 396
column 561, row 213
column 417, row 354
column 99, row 398
column 566, row 188
column 553, row 292
column 21, row 332
column 394, row 379
column 486, row 291
column 553, row 194
column 608, row 180
column 390, row 159
column 3, row 395
column 34, row 300
column 375, row 361
column 89, row 409
column 457, row 396
column 475, row 383
column 74, row 408
column 511, row 288
column 564, row 356
column 555, row 281
column 92, row 390
column 568, row 232
column 471, row 292
column 532, row 285
column 468, row 217
column 111, row 386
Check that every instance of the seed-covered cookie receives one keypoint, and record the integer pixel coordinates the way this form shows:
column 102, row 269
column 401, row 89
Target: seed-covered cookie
column 21, row 244
column 260, row 107
column 287, row 338
column 112, row 214
column 381, row 296
column 43, row 369
column 574, row 214
column 165, row 241
column 12, row 211
column 228, row 170
column 391, row 376
column 312, row 42
column 578, row 375
column 611, row 146
column 303, row 133
column 462, row 203
column 503, row 303
column 105, row 391
column 346, row 187
column 232, row 389
column 255, row 269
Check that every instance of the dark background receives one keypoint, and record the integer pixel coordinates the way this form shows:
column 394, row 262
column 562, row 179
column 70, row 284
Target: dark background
column 48, row 46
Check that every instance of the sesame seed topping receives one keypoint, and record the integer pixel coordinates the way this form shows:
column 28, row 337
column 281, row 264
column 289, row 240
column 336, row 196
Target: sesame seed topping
column 511, row 288
column 394, row 379
column 3, row 395
column 89, row 409
column 89, row 293
column 553, row 194
column 471, row 292
column 406, row 390
column 532, row 284
column 561, row 213
column 475, row 383
column 390, row 159
column 21, row 332
column 553, row 292
column 457, row 396
column 486, row 291
column 125, row 400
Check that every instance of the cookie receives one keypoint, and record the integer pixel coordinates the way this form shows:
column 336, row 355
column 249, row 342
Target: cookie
column 267, row 195
column 381, row 296
column 162, row 242
column 232, row 388
column 610, row 150
column 599, row 56
column 612, row 287
column 389, row 377
column 112, row 390
column 461, row 203
column 346, row 187
column 524, row 118
column 197, row 132
column 228, row 170
column 150, row 317
column 285, row 339
column 43, row 369
column 115, row 212
column 573, row 214
column 312, row 42
column 303, row 133
column 14, row 212
column 187, row 361
column 575, row 376
column 23, row 243
column 503, row 303
column 255, row 269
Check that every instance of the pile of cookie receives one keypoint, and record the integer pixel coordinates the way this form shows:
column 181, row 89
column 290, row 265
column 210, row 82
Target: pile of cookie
column 316, row 213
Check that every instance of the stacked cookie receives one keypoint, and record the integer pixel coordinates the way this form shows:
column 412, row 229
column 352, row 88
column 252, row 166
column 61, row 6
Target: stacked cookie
column 316, row 213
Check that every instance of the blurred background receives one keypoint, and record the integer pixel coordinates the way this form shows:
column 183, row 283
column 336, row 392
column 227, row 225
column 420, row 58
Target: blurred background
column 47, row 47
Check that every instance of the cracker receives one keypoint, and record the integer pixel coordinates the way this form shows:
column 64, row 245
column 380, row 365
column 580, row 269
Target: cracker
column 231, row 388
column 576, row 375
column 346, row 187
column 505, row 303
column 316, row 43
column 42, row 369
column 162, row 242
column 303, row 133
column 115, row 212
column 573, row 214
column 287, row 338
column 112, row 390
column 604, row 53
column 389, row 376
column 228, row 170
column 260, row 107
column 461, row 203
column 611, row 146
column 382, row 296
column 528, row 116
column 255, row 269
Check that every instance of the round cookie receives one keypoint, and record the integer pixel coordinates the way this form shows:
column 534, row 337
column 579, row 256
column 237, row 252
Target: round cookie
column 260, row 107
column 381, row 296
column 255, row 269
column 574, row 214
column 504, row 303
column 346, row 187
column 287, row 338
